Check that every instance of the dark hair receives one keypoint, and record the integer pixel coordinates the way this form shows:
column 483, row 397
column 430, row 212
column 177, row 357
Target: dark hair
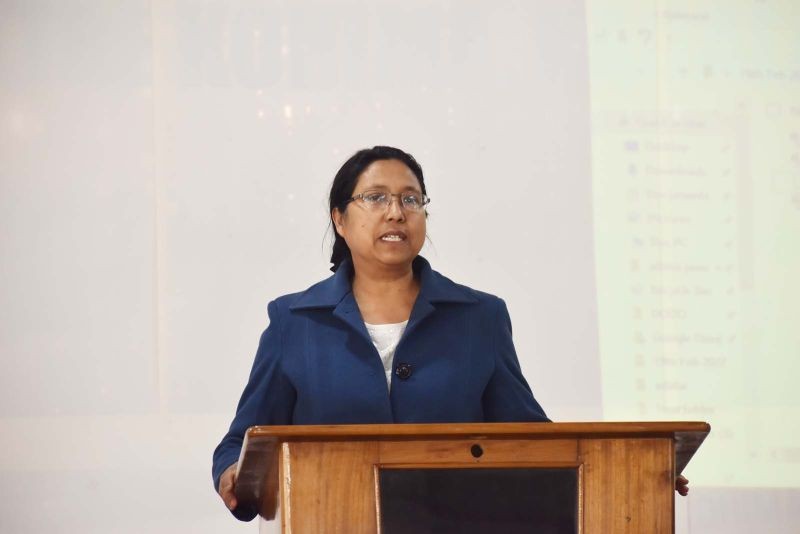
column 345, row 183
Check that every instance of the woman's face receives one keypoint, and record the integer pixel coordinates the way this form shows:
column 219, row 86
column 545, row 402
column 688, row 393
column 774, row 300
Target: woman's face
column 385, row 238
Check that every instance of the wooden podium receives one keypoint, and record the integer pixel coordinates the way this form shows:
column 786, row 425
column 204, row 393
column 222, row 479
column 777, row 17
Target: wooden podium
column 614, row 477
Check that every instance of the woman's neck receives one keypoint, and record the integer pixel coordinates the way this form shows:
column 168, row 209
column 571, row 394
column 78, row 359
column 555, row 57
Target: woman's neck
column 385, row 296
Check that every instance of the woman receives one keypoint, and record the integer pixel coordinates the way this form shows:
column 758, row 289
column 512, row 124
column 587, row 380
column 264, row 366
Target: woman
column 385, row 339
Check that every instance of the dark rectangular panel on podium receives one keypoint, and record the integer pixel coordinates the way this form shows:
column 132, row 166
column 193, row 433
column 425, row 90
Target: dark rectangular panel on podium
column 479, row 501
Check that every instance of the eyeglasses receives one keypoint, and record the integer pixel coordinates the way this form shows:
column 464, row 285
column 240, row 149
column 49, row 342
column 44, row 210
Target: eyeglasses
column 380, row 200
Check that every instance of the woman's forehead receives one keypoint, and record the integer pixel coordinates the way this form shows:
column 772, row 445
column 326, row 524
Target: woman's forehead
column 388, row 174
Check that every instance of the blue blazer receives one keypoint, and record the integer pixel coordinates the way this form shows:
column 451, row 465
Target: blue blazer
column 316, row 363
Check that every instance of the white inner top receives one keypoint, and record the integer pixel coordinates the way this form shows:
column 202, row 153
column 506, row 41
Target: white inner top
column 385, row 337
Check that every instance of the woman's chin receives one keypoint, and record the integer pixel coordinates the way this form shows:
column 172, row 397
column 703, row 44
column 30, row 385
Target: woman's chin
column 396, row 255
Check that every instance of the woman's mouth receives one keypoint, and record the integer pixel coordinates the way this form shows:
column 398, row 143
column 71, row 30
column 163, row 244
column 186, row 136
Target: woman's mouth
column 393, row 237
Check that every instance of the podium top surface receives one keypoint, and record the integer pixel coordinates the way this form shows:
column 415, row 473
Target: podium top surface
column 676, row 429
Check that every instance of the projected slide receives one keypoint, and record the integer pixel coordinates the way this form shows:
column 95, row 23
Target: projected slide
column 696, row 172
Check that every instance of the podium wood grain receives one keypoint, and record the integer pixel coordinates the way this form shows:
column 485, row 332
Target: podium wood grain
column 335, row 480
column 628, row 485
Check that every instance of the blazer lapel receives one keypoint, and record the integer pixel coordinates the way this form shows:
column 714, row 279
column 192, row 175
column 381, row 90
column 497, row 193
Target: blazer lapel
column 348, row 312
column 335, row 292
column 433, row 288
column 422, row 309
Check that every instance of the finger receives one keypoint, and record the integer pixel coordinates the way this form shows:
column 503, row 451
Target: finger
column 228, row 497
column 227, row 484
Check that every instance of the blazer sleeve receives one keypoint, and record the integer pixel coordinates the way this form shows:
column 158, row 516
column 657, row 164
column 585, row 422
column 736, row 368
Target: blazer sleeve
column 507, row 397
column 268, row 399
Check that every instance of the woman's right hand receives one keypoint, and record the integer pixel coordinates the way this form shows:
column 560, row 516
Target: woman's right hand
column 227, row 484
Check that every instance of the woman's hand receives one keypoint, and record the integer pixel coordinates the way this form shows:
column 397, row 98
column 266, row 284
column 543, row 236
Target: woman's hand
column 681, row 485
column 227, row 484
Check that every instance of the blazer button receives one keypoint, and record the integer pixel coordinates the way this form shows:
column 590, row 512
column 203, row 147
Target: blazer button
column 403, row 370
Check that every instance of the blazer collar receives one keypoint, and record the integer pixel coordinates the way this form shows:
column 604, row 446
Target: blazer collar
column 330, row 292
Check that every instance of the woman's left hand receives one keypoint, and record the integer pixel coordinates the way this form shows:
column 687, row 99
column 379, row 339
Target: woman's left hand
column 682, row 485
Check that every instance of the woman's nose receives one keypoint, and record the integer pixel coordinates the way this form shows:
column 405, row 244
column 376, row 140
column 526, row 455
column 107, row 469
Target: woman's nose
column 393, row 211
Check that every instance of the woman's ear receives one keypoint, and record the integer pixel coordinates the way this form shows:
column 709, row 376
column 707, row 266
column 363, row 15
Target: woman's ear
column 338, row 219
